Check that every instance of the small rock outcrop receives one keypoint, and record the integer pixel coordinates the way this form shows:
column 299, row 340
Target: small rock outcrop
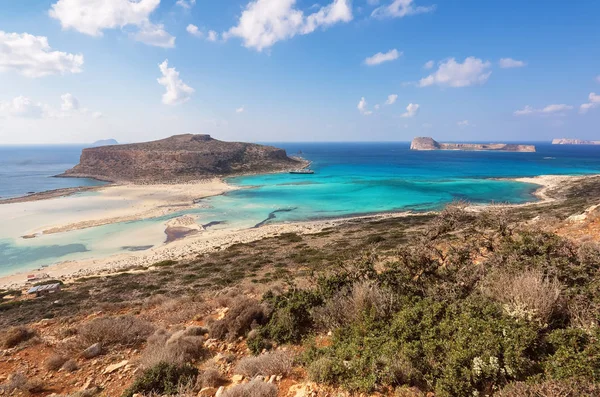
column 428, row 143
column 567, row 141
column 179, row 158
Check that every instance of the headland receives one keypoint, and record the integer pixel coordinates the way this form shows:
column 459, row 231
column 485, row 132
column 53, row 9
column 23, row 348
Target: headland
column 428, row 143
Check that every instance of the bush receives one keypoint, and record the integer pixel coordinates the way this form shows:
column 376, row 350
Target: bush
column 241, row 317
column 211, row 377
column 162, row 379
column 275, row 363
column 528, row 295
column 110, row 331
column 174, row 348
column 257, row 342
column 576, row 354
column 18, row 381
column 70, row 366
column 254, row 388
column 348, row 305
column 15, row 336
column 55, row 362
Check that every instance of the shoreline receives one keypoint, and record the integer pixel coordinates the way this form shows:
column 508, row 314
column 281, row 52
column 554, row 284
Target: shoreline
column 201, row 241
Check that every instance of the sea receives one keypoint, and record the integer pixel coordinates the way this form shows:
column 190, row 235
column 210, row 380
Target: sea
column 350, row 179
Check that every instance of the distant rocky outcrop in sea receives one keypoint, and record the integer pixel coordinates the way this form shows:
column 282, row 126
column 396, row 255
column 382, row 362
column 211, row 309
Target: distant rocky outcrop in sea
column 567, row 141
column 179, row 158
column 428, row 143
column 105, row 142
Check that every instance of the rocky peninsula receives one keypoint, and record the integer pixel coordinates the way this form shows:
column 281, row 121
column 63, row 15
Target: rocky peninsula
column 180, row 158
column 428, row 143
column 567, row 141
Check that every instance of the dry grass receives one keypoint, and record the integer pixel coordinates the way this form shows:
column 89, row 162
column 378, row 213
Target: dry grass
column 18, row 381
column 275, row 363
column 70, row 366
column 529, row 295
column 254, row 388
column 55, row 362
column 211, row 377
column 111, row 331
column 179, row 348
column 348, row 305
column 241, row 317
column 15, row 336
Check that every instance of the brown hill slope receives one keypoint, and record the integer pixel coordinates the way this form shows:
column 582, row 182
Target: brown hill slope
column 179, row 158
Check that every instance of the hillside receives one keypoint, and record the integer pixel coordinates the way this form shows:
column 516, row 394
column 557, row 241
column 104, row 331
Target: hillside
column 427, row 143
column 500, row 302
column 177, row 159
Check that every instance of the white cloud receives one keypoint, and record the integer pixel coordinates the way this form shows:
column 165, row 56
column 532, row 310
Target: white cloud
column 376, row 107
column 411, row 110
column 550, row 109
column 391, row 99
column 69, row 102
column 97, row 115
column 24, row 107
column 240, row 109
column 428, row 65
column 381, row 57
column 91, row 17
column 212, row 36
column 507, row 63
column 177, row 91
column 594, row 101
column 265, row 22
column 598, row 78
column 32, row 56
column 454, row 74
column 154, row 35
column 463, row 123
column 362, row 107
column 187, row 4
column 194, row 31
column 400, row 9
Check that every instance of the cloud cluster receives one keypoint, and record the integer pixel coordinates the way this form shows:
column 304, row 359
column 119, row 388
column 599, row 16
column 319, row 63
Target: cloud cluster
column 411, row 110
column 177, row 92
column 24, row 107
column 594, row 101
column 91, row 17
column 32, row 56
column 362, row 107
column 400, row 9
column 391, row 99
column 550, row 109
column 382, row 57
column 429, row 65
column 455, row 74
column 187, row 4
column 507, row 63
column 265, row 22
column 463, row 123
column 195, row 31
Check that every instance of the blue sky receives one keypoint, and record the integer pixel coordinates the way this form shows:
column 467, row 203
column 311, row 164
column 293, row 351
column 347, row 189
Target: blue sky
column 285, row 70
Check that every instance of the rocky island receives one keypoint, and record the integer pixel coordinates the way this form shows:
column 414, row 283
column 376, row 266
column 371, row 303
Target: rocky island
column 567, row 141
column 428, row 143
column 179, row 158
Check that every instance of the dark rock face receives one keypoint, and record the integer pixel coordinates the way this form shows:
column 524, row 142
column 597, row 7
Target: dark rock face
column 427, row 143
column 179, row 158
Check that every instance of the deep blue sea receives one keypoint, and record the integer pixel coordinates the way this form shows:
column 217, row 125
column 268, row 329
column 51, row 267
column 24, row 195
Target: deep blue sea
column 349, row 179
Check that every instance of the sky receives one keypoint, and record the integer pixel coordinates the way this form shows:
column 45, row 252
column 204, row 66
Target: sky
column 77, row 71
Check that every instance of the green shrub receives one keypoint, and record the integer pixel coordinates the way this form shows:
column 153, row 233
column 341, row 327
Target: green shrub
column 162, row 379
column 576, row 354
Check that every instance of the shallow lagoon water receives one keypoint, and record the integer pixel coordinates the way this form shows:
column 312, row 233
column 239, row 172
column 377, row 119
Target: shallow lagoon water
column 350, row 179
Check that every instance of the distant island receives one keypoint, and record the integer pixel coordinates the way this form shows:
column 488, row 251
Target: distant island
column 428, row 143
column 105, row 142
column 567, row 141
column 179, row 158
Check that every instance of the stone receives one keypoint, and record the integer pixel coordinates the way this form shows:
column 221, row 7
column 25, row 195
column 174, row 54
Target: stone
column 93, row 351
column 114, row 367
column 219, row 392
column 235, row 379
column 272, row 379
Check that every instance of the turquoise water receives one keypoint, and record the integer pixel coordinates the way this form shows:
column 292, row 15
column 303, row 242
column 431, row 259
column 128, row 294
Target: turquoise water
column 350, row 179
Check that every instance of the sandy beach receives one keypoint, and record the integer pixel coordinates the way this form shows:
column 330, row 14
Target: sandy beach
column 154, row 200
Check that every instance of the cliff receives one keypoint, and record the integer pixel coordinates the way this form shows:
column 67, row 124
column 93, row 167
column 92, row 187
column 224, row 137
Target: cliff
column 566, row 141
column 177, row 159
column 427, row 143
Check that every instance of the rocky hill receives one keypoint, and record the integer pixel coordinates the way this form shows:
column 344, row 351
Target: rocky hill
column 566, row 141
column 428, row 143
column 177, row 159
column 105, row 142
